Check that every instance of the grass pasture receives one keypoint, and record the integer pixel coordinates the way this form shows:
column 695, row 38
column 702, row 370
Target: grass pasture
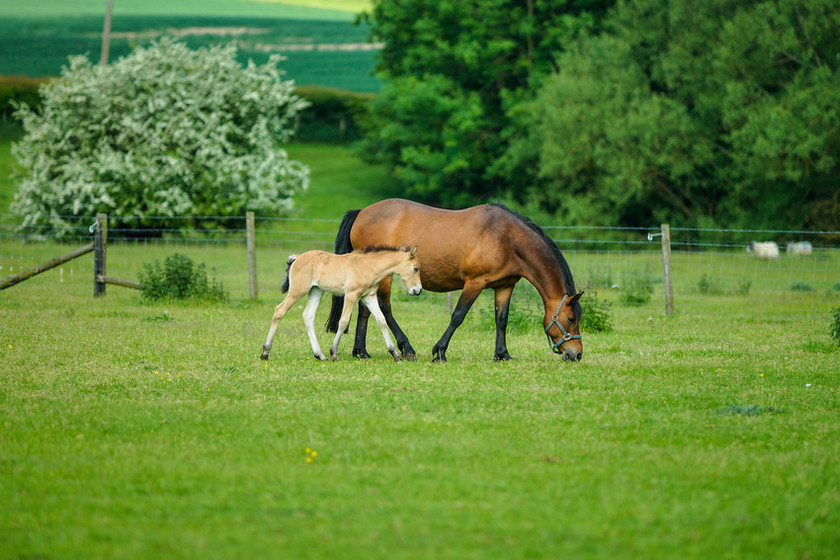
column 132, row 431
column 137, row 431
column 321, row 44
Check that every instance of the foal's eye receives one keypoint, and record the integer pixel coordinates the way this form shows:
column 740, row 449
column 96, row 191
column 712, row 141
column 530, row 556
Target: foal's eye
column 416, row 269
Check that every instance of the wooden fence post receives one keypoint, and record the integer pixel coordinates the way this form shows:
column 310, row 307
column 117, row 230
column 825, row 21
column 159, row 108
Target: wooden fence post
column 100, row 242
column 666, row 263
column 252, row 254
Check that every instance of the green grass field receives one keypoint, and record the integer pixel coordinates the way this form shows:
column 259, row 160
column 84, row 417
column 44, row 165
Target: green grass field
column 318, row 38
column 138, row 431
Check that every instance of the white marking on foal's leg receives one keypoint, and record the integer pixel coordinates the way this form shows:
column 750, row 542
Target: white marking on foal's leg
column 309, row 320
column 279, row 312
column 371, row 303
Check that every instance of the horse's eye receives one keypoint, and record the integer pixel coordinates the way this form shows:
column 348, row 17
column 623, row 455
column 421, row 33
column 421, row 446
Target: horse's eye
column 416, row 269
column 572, row 320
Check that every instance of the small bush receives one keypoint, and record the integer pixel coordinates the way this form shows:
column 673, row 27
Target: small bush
column 800, row 287
column 639, row 291
column 179, row 279
column 834, row 331
column 597, row 313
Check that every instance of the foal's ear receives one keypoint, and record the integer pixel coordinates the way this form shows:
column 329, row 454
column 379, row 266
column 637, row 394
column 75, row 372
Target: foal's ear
column 414, row 251
column 574, row 299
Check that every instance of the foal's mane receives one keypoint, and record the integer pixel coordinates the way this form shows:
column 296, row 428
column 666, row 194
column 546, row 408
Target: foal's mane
column 552, row 246
column 379, row 248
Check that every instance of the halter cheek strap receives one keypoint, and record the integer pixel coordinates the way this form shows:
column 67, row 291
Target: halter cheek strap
column 555, row 346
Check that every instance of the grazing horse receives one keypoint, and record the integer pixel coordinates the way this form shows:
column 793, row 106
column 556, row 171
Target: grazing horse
column 357, row 275
column 487, row 246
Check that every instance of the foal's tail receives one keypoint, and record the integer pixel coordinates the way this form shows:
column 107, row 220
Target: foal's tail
column 285, row 287
column 342, row 246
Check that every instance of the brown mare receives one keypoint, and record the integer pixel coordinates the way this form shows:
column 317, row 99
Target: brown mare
column 487, row 246
column 357, row 275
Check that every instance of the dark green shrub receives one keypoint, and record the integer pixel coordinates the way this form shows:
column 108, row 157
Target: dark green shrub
column 801, row 287
column 179, row 279
column 834, row 331
column 638, row 291
column 597, row 313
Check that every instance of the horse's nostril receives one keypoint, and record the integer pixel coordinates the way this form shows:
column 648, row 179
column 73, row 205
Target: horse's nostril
column 579, row 356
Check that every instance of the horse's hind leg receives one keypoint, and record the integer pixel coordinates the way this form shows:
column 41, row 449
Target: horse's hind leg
column 309, row 311
column 370, row 303
column 279, row 312
column 384, row 297
column 360, row 344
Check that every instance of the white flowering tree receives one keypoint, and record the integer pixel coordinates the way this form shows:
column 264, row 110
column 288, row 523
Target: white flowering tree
column 165, row 132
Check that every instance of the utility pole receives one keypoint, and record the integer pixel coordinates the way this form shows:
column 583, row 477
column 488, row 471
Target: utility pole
column 106, row 33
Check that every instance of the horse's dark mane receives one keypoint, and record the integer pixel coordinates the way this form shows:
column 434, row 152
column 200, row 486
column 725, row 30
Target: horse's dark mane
column 378, row 248
column 555, row 250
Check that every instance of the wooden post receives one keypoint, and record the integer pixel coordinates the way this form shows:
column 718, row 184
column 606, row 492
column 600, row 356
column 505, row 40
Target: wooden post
column 252, row 254
column 666, row 263
column 100, row 242
column 106, row 33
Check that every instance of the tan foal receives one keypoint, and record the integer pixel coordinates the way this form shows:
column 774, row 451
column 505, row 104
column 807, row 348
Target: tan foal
column 356, row 275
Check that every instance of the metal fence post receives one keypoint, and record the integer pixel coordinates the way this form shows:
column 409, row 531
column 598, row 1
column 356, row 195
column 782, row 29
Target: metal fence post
column 100, row 242
column 666, row 263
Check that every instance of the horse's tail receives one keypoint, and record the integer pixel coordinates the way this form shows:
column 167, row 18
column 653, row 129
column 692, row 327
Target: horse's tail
column 285, row 287
column 342, row 246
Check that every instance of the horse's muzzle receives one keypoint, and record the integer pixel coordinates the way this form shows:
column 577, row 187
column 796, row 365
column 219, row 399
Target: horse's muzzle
column 415, row 290
column 572, row 355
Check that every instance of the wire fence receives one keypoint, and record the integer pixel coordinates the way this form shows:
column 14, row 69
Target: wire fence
column 705, row 262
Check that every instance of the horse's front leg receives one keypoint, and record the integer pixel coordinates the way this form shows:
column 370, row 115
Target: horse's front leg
column 468, row 295
column 384, row 297
column 349, row 301
column 279, row 312
column 502, row 297
column 309, row 312
column 370, row 303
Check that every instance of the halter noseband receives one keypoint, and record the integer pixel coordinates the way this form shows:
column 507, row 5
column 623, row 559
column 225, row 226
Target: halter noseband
column 555, row 346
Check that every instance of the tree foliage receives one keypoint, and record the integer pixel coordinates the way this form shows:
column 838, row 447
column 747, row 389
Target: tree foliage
column 719, row 112
column 455, row 72
column 166, row 132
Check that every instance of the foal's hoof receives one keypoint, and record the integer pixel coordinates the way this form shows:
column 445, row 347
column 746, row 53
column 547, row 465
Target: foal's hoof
column 264, row 356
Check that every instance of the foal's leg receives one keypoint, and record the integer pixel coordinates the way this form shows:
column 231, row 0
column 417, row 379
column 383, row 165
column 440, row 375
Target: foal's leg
column 309, row 311
column 349, row 301
column 279, row 312
column 503, row 296
column 370, row 303
column 468, row 295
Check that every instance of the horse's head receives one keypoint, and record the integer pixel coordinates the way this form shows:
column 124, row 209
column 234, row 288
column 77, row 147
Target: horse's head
column 409, row 271
column 562, row 327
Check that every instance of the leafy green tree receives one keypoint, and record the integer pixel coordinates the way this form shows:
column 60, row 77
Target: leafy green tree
column 455, row 73
column 166, row 131
column 697, row 113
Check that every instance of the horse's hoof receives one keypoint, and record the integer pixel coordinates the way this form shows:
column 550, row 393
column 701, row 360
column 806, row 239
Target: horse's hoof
column 321, row 357
column 264, row 356
column 411, row 357
column 503, row 357
column 362, row 354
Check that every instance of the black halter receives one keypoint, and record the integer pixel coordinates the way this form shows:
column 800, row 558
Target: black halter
column 555, row 346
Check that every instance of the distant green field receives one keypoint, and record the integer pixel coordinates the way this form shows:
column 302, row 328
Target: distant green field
column 322, row 46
